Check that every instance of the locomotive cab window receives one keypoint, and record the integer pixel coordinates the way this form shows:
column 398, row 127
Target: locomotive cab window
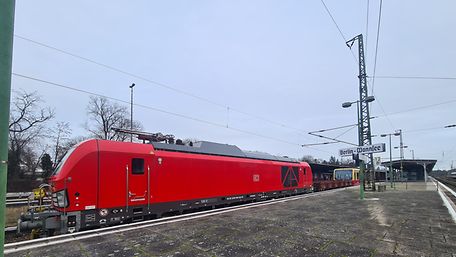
column 137, row 166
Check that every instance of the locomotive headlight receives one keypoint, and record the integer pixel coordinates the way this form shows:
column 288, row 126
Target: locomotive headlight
column 61, row 198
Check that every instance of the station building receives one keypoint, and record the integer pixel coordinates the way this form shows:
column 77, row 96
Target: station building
column 412, row 169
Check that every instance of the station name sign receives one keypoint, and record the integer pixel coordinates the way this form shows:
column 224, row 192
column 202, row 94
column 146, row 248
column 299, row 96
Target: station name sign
column 365, row 149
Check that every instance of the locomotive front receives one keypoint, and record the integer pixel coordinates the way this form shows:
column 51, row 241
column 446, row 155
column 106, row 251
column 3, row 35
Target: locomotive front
column 73, row 189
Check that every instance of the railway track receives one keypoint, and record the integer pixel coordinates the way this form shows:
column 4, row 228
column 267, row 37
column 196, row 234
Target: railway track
column 42, row 242
column 447, row 191
column 23, row 202
column 449, row 182
column 22, row 199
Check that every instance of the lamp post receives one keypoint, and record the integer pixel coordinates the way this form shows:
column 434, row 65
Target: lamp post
column 131, row 111
column 401, row 147
column 391, row 155
column 366, row 100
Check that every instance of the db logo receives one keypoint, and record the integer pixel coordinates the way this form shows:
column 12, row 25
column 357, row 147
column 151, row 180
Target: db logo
column 256, row 178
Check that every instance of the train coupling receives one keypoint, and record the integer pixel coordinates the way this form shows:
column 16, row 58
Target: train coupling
column 43, row 222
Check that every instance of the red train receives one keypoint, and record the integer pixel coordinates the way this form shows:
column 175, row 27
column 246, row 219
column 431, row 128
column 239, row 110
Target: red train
column 102, row 182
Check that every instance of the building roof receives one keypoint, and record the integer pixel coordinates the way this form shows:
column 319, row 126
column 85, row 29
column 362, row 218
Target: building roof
column 411, row 164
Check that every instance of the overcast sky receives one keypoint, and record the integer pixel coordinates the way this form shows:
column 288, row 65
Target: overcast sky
column 283, row 63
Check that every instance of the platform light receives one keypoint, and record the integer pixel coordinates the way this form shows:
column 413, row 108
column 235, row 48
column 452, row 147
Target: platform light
column 368, row 99
column 397, row 133
column 347, row 104
column 131, row 110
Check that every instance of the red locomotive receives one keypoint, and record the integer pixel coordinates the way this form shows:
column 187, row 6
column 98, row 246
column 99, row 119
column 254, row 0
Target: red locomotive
column 102, row 182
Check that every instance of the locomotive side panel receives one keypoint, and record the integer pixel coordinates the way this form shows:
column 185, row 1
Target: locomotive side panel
column 183, row 176
column 123, row 175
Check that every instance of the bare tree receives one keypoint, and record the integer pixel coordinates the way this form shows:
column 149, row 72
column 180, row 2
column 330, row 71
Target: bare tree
column 333, row 160
column 106, row 115
column 62, row 132
column 125, row 123
column 308, row 158
column 66, row 145
column 26, row 126
column 31, row 160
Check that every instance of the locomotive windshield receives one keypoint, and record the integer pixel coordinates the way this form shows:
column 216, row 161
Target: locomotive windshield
column 62, row 161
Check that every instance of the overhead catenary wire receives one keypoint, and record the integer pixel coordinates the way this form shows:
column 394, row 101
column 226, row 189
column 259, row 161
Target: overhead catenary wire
column 109, row 67
column 423, row 129
column 386, row 115
column 160, row 110
column 419, row 130
column 419, row 108
column 375, row 65
column 351, row 126
column 338, row 28
column 335, row 128
column 334, row 21
column 346, row 131
column 416, row 77
column 367, row 25
column 376, row 45
column 333, row 139
column 163, row 85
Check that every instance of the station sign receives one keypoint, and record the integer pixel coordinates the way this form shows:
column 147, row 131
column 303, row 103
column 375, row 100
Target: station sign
column 365, row 149
column 362, row 157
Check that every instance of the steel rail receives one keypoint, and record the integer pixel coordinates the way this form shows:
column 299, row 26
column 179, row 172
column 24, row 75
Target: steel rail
column 42, row 242
column 21, row 195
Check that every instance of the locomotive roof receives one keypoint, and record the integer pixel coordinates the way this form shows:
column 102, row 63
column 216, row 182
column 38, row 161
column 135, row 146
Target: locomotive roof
column 211, row 148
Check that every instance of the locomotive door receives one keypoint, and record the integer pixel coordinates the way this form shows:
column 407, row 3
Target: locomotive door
column 138, row 177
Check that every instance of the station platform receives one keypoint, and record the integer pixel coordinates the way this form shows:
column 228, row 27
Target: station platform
column 397, row 222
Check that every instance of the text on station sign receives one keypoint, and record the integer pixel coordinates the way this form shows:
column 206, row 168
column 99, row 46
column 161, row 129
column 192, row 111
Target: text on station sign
column 375, row 148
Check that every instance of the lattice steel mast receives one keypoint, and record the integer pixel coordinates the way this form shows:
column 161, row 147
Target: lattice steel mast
column 364, row 130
